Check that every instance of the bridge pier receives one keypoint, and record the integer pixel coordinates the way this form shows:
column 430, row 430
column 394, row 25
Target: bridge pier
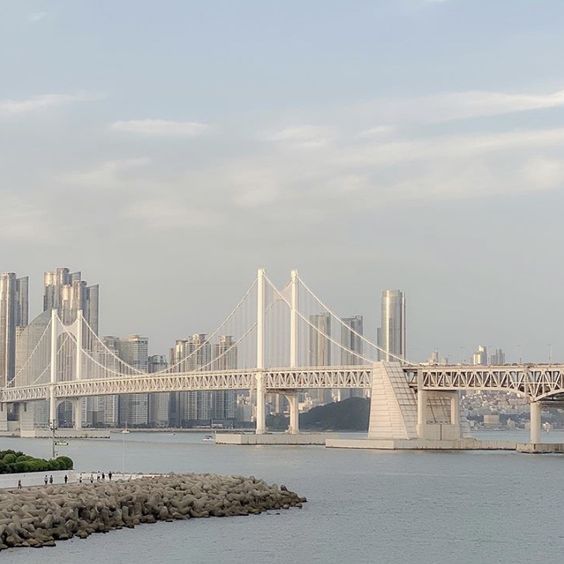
column 535, row 425
column 294, row 427
column 3, row 416
column 260, row 405
column 77, row 412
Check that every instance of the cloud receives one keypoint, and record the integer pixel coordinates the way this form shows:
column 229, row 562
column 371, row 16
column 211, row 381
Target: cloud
column 170, row 214
column 161, row 128
column 303, row 136
column 450, row 106
column 22, row 221
column 106, row 174
column 11, row 107
column 35, row 17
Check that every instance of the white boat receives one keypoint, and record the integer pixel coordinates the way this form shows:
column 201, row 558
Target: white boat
column 208, row 439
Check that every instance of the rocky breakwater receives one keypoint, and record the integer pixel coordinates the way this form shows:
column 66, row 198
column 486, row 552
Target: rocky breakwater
column 40, row 516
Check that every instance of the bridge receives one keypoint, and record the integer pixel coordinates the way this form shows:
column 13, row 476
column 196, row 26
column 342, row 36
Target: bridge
column 285, row 340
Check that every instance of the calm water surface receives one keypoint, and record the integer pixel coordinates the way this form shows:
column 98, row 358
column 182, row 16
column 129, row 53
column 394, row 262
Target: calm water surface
column 364, row 506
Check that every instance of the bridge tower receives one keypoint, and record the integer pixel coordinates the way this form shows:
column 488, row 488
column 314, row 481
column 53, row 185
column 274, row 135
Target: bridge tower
column 77, row 407
column 53, row 369
column 260, row 388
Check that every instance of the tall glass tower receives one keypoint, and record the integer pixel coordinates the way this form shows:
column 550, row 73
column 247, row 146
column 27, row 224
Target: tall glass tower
column 391, row 335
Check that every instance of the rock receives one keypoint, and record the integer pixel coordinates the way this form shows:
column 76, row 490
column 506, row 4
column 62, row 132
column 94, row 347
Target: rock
column 37, row 517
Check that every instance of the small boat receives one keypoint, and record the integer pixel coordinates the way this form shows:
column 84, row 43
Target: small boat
column 61, row 443
column 208, row 439
column 124, row 431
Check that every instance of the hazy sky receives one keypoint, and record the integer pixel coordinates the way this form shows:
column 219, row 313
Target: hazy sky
column 169, row 148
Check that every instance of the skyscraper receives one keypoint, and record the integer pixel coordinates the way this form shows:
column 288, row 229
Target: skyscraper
column 391, row 334
column 497, row 357
column 158, row 402
column 66, row 292
column 480, row 356
column 320, row 350
column 189, row 354
column 350, row 339
column 134, row 408
column 223, row 402
column 14, row 312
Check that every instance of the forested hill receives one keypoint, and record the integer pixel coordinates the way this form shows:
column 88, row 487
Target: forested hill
column 348, row 415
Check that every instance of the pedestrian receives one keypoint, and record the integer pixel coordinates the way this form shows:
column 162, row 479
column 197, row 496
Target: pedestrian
column 51, row 479
column 19, row 484
column 91, row 479
column 103, row 476
column 98, row 477
column 66, row 478
column 45, row 479
column 80, row 479
column 110, row 475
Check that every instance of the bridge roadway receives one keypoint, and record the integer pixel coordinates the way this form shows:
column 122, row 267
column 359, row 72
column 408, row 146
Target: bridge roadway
column 537, row 382
column 274, row 379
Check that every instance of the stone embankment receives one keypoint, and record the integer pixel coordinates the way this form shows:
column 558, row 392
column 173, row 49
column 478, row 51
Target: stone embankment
column 40, row 516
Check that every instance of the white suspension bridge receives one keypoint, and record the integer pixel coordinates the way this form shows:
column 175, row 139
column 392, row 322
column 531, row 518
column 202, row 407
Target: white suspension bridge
column 278, row 340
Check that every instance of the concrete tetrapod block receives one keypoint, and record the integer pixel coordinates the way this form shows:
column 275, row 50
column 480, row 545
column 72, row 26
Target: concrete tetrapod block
column 39, row 516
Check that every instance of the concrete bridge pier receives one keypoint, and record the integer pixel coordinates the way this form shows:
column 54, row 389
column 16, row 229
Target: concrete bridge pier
column 535, row 426
column 3, row 416
column 260, row 414
column 77, row 412
column 294, row 427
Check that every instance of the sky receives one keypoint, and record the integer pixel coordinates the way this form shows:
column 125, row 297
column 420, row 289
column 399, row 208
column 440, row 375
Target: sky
column 169, row 149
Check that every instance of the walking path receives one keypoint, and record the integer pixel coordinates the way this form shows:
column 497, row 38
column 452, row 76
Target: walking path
column 10, row 481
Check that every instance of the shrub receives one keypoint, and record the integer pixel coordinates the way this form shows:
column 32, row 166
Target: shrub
column 14, row 462
column 65, row 463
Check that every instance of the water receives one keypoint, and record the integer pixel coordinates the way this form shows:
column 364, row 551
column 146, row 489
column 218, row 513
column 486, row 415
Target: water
column 364, row 506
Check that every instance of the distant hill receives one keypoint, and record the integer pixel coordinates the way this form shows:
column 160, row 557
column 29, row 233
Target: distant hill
column 348, row 415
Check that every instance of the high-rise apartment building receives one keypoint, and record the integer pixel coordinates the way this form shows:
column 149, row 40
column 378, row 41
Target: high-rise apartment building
column 158, row 402
column 14, row 312
column 193, row 353
column 134, row 408
column 351, row 339
column 392, row 331
column 480, row 356
column 66, row 292
column 497, row 357
column 320, row 350
column 223, row 403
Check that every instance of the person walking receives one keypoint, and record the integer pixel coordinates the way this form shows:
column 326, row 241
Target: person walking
column 110, row 475
column 66, row 478
column 80, row 479
column 103, row 476
column 91, row 479
column 45, row 479
column 19, row 484
column 51, row 479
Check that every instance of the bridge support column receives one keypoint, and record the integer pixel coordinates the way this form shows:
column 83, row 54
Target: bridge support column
column 261, row 392
column 535, row 431
column 294, row 427
column 77, row 408
column 421, row 407
column 261, row 405
column 455, row 408
column 78, row 369
column 3, row 416
column 53, row 379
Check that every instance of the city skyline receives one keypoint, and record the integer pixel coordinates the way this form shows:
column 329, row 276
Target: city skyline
column 372, row 158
